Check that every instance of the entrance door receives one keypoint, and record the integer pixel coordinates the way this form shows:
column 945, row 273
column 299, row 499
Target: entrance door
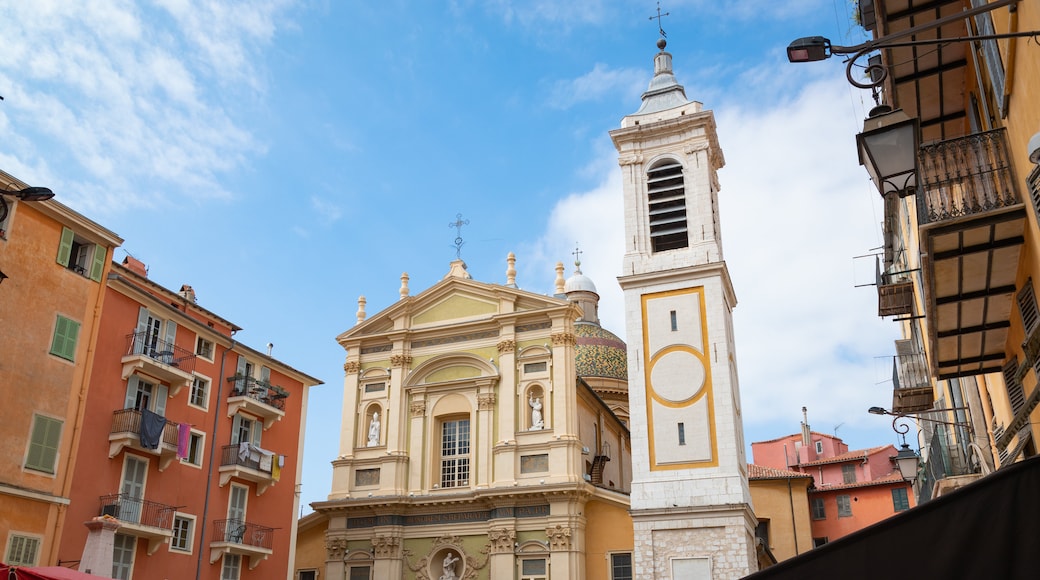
column 132, row 490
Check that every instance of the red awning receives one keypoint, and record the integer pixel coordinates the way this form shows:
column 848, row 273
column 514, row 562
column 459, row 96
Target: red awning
column 43, row 573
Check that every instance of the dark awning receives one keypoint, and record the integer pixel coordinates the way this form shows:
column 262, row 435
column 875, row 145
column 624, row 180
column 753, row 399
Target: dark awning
column 982, row 530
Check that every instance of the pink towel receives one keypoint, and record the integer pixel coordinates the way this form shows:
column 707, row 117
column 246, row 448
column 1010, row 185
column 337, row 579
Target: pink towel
column 183, row 436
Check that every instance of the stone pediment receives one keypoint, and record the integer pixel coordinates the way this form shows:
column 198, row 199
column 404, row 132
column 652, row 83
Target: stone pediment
column 456, row 307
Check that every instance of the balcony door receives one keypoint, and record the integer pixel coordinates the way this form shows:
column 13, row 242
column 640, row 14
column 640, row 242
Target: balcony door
column 154, row 336
column 132, row 489
column 142, row 394
column 236, row 515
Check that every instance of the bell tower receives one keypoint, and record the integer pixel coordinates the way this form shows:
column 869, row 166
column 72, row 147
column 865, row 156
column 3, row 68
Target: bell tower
column 690, row 502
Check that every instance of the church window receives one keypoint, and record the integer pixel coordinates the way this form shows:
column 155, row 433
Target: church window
column 455, row 453
column 533, row 569
column 666, row 195
column 682, row 434
column 360, row 572
column 675, row 321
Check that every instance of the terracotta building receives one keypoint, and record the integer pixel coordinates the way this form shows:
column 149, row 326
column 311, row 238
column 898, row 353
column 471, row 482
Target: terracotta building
column 53, row 263
column 191, row 444
column 851, row 489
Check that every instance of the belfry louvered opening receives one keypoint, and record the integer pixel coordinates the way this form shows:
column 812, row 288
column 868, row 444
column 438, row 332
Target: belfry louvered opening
column 666, row 194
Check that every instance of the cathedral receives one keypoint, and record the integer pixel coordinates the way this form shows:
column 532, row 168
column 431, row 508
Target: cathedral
column 494, row 433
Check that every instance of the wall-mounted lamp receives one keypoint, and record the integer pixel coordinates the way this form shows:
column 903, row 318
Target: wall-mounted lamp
column 814, row 48
column 888, row 149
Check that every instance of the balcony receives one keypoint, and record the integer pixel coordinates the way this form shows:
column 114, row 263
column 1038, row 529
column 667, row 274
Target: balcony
column 257, row 398
column 139, row 517
column 249, row 464
column 242, row 538
column 157, row 358
column 126, row 432
column 972, row 221
column 895, row 298
column 911, row 386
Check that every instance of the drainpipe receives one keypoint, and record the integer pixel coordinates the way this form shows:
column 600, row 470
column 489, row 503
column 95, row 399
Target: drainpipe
column 212, row 457
column 794, row 522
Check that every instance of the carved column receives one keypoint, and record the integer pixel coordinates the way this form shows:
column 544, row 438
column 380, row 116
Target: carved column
column 503, row 561
column 416, row 456
column 387, row 551
column 335, row 551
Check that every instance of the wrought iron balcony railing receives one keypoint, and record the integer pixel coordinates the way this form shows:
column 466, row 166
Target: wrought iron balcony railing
column 266, row 393
column 966, row 176
column 911, row 385
column 245, row 533
column 167, row 353
column 129, row 421
column 136, row 510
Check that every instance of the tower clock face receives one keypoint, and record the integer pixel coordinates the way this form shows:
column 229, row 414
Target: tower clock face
column 677, row 375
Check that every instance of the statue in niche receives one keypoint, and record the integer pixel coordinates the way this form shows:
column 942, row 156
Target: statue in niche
column 373, row 430
column 536, row 413
column 449, row 566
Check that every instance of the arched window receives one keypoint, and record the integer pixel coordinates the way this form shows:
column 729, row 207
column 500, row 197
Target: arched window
column 454, row 451
column 666, row 195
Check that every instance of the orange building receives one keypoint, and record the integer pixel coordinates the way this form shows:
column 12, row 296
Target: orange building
column 191, row 447
column 781, row 500
column 852, row 489
column 52, row 265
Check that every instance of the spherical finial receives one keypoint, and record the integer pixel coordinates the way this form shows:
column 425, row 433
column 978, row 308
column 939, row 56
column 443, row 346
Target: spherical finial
column 661, row 43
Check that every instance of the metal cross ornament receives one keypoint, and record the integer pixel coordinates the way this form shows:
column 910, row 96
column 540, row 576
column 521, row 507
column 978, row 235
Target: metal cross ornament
column 457, row 224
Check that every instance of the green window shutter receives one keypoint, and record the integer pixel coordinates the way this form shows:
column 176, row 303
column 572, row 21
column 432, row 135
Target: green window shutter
column 43, row 447
column 65, row 334
column 98, row 266
column 65, row 247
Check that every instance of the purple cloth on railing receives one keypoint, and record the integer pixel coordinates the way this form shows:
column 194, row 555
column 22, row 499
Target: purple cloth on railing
column 183, row 435
column 151, row 429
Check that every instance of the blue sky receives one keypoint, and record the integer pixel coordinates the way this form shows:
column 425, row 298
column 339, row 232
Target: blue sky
column 286, row 157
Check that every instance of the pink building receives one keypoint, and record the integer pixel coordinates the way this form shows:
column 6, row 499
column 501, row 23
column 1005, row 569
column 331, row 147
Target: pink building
column 851, row 489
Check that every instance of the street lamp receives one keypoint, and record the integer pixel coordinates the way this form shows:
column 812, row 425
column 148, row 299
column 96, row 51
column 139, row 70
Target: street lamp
column 907, row 461
column 888, row 149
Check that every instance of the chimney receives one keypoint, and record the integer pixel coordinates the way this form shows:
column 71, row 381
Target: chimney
column 188, row 293
column 136, row 266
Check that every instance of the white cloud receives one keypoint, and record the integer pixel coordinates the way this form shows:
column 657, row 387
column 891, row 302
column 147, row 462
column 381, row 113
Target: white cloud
column 601, row 80
column 122, row 95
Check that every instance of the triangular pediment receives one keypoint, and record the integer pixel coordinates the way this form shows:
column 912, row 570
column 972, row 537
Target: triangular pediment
column 456, row 307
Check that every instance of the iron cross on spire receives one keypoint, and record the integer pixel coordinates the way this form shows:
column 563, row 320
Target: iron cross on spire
column 457, row 224
column 659, row 17
column 577, row 258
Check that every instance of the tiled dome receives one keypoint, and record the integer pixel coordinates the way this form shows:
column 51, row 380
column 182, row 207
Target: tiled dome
column 599, row 353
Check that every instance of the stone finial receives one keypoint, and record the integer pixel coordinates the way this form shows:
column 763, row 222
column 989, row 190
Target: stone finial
column 404, row 285
column 511, row 270
column 560, row 282
column 361, row 309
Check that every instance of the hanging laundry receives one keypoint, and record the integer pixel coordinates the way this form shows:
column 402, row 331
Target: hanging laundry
column 151, row 429
column 183, row 436
column 265, row 459
column 276, row 468
column 243, row 451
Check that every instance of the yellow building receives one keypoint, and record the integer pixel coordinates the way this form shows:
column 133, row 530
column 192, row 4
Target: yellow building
column 471, row 447
column 962, row 242
column 781, row 500
column 54, row 262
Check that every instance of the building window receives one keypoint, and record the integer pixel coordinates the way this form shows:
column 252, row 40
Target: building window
column 819, row 512
column 817, row 542
column 819, row 447
column 682, row 434
column 1027, row 308
column 123, row 547
column 231, row 568
column 666, row 195
column 194, row 451
column 22, row 550
column 204, row 348
column 533, row 569
column 199, row 392
column 848, row 473
column 66, row 331
column 1016, row 394
column 900, row 501
column 844, row 506
column 375, row 387
column 360, row 573
column 455, row 453
column 310, row 575
column 1033, row 183
column 183, row 533
column 762, row 531
column 621, row 566
column 246, row 430
column 675, row 321
column 43, row 444
column 81, row 256
column 537, row 367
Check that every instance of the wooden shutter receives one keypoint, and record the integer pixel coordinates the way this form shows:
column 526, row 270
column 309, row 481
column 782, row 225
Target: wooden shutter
column 98, row 265
column 1027, row 307
column 1016, row 395
column 236, row 428
column 43, row 447
column 131, row 393
column 171, row 335
column 65, row 246
column 162, row 392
